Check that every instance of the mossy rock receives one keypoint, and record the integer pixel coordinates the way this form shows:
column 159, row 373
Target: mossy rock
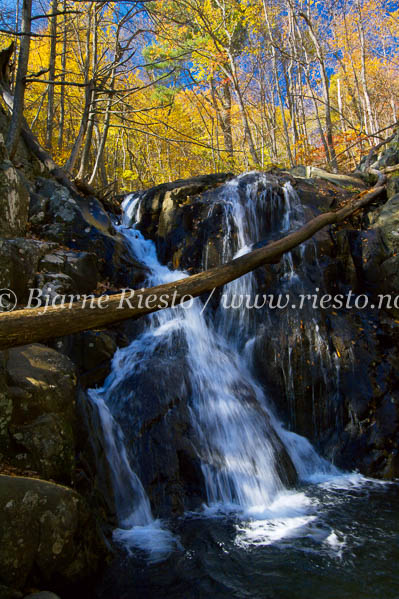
column 47, row 535
column 37, row 402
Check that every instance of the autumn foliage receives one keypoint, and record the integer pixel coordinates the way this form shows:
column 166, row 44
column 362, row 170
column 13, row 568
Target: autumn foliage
column 129, row 94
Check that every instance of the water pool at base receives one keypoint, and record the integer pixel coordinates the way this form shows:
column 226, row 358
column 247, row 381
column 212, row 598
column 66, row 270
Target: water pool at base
column 345, row 545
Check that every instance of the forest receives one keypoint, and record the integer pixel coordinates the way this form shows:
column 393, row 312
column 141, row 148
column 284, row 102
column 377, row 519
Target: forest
column 130, row 94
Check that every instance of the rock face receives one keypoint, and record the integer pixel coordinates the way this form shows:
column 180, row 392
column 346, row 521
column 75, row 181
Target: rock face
column 38, row 412
column 14, row 197
column 175, row 215
column 81, row 223
column 158, row 429
column 47, row 535
column 81, row 269
column 19, row 263
column 91, row 352
column 331, row 378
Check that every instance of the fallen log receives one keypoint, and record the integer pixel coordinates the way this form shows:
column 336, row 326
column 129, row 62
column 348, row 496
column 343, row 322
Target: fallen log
column 34, row 324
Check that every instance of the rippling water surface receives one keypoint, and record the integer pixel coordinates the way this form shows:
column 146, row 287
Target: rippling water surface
column 333, row 540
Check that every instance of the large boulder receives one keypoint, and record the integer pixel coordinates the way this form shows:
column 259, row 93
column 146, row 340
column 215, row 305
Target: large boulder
column 38, row 389
column 157, row 426
column 171, row 214
column 14, row 197
column 388, row 157
column 81, row 223
column 387, row 220
column 80, row 267
column 27, row 264
column 19, row 263
column 48, row 537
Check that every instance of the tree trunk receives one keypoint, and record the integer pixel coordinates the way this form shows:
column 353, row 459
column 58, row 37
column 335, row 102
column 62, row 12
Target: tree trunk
column 17, row 9
column 70, row 164
column 326, row 90
column 225, row 118
column 50, row 95
column 84, row 162
column 33, row 144
column 278, row 87
column 35, row 324
column 19, row 93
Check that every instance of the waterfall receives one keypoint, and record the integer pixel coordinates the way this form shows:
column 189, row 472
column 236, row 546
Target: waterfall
column 240, row 443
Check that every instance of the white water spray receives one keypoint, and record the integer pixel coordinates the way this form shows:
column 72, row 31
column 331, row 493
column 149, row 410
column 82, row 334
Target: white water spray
column 238, row 439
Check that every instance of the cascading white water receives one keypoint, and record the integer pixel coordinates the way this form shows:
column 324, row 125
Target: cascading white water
column 238, row 439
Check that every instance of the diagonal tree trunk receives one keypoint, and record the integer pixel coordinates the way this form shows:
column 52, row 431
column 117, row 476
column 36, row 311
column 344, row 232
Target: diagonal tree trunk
column 35, row 324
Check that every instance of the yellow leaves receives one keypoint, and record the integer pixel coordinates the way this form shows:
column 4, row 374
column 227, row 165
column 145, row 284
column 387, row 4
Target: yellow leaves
column 5, row 40
column 130, row 175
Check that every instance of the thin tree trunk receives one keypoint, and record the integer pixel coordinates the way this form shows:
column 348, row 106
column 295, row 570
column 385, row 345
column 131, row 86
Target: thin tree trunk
column 19, row 93
column 243, row 112
column 102, row 141
column 61, row 126
column 70, row 164
column 17, row 8
column 84, row 163
column 326, row 90
column 39, row 109
column 278, row 87
column 226, row 119
column 51, row 90
column 223, row 113
column 363, row 75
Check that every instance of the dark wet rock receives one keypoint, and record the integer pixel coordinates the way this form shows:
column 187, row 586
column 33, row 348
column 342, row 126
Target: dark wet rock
column 326, row 381
column 53, row 287
column 388, row 157
column 48, row 536
column 177, row 192
column 19, row 260
column 81, row 223
column 187, row 222
column 320, row 195
column 159, row 433
column 27, row 264
column 387, row 221
column 91, row 352
column 389, row 274
column 80, row 267
column 171, row 214
column 38, row 411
